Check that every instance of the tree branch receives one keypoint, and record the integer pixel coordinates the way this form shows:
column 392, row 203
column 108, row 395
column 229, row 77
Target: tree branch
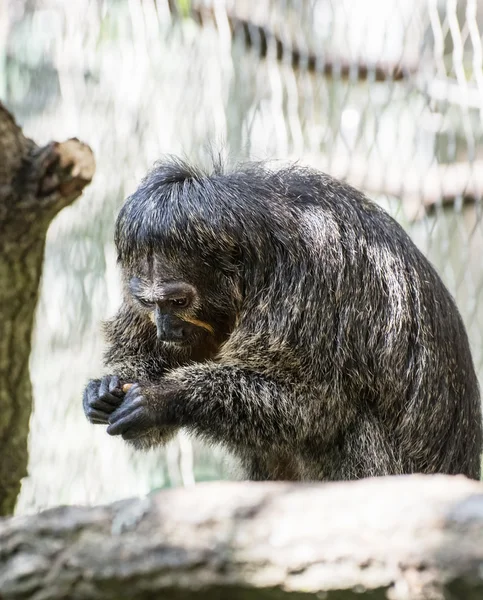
column 420, row 190
column 411, row 537
column 35, row 184
column 264, row 41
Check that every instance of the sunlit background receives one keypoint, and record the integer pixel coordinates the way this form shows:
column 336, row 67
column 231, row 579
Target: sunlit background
column 387, row 94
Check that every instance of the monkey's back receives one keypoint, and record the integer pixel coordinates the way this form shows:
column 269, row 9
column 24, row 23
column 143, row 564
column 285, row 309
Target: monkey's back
column 392, row 340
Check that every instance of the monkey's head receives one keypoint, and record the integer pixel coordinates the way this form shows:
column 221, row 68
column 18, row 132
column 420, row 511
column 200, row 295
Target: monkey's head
column 200, row 252
column 180, row 264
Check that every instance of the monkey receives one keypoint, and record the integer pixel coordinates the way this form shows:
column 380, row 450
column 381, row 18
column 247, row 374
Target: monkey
column 281, row 314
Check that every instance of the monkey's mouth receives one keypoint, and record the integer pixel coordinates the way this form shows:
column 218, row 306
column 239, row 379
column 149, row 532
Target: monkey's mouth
column 176, row 343
column 186, row 341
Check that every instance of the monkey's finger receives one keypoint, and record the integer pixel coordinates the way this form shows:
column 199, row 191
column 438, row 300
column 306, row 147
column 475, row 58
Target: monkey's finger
column 104, row 387
column 99, row 421
column 104, row 406
column 131, row 388
column 97, row 417
column 134, row 420
column 126, row 408
column 90, row 393
column 134, row 391
column 110, row 399
column 115, row 386
column 93, row 384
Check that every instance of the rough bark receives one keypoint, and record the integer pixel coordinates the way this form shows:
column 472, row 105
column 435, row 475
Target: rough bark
column 35, row 184
column 401, row 538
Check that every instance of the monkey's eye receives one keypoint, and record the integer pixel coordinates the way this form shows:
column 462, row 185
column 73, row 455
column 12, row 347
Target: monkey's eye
column 179, row 302
column 144, row 302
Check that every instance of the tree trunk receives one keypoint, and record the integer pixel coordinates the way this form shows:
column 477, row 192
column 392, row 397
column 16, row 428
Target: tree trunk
column 35, row 184
column 400, row 538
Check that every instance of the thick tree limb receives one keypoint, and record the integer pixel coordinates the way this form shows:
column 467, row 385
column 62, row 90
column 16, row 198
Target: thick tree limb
column 35, row 184
column 405, row 538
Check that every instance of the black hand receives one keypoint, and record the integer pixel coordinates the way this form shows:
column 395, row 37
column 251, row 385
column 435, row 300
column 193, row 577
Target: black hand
column 101, row 398
column 133, row 417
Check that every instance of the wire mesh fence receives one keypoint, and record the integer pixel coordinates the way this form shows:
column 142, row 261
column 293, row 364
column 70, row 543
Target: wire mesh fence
column 387, row 94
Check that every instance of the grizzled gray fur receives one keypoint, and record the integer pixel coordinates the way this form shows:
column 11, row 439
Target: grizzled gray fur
column 282, row 314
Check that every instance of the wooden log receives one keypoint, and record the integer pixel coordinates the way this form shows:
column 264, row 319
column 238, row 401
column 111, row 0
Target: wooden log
column 400, row 538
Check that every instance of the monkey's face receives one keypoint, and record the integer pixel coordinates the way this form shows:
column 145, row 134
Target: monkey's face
column 171, row 306
column 182, row 312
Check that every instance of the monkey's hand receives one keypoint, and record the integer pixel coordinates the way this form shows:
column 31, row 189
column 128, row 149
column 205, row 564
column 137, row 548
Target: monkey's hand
column 144, row 408
column 101, row 398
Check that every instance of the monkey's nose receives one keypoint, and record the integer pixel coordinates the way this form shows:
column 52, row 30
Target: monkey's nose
column 166, row 330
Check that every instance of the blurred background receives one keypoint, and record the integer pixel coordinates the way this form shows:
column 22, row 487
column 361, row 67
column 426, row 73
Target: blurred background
column 387, row 94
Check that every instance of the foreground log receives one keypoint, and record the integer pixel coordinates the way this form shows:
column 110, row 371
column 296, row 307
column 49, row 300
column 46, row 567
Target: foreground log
column 35, row 184
column 404, row 538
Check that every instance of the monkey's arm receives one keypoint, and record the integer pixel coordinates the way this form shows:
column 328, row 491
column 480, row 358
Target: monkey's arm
column 132, row 355
column 228, row 404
